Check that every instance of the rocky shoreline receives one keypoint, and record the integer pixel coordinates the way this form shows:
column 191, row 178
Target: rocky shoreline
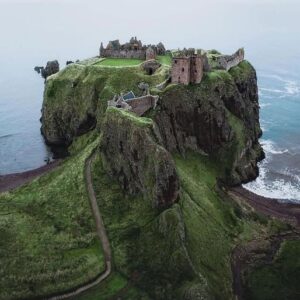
column 285, row 211
column 11, row 181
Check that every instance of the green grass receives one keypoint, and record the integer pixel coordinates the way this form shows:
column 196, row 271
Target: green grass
column 165, row 59
column 48, row 242
column 123, row 114
column 120, row 62
column 280, row 280
column 210, row 223
column 241, row 71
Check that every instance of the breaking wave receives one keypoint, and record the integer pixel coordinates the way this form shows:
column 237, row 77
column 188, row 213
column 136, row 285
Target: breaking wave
column 263, row 105
column 271, row 148
column 288, row 86
column 286, row 189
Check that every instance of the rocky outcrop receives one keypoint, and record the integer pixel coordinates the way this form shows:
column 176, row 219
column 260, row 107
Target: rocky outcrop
column 219, row 117
column 190, row 119
column 51, row 68
column 76, row 97
column 69, row 107
column 132, row 154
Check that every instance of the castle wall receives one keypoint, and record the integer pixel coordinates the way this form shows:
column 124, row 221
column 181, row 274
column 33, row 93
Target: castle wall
column 226, row 62
column 180, row 72
column 196, row 71
column 142, row 104
column 136, row 54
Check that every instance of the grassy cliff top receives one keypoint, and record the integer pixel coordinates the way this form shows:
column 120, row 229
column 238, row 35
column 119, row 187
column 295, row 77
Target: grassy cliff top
column 122, row 114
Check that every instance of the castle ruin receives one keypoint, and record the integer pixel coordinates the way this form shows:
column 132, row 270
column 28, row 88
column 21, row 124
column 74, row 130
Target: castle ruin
column 187, row 69
column 133, row 49
column 188, row 66
column 226, row 62
column 138, row 105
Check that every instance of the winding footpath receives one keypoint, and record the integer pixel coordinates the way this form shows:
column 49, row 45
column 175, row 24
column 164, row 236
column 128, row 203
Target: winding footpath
column 101, row 233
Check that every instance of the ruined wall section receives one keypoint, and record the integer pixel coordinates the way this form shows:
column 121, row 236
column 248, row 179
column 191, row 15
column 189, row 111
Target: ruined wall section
column 141, row 105
column 196, row 69
column 226, row 62
column 181, row 70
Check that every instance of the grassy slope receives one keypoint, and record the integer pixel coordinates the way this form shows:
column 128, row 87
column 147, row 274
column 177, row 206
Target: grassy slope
column 48, row 241
column 142, row 245
column 279, row 280
column 79, row 89
column 120, row 62
column 165, row 59
column 211, row 227
column 211, row 221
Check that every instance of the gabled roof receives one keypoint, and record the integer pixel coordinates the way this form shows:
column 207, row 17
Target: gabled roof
column 128, row 96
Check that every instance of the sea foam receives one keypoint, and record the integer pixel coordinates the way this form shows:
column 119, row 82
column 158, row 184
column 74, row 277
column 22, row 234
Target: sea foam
column 278, row 188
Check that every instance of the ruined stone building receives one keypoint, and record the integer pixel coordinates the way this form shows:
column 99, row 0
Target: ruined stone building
column 133, row 49
column 138, row 105
column 188, row 66
column 226, row 62
column 187, row 69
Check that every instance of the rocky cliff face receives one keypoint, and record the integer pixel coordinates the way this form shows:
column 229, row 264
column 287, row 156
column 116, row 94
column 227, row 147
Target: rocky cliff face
column 132, row 153
column 219, row 117
column 77, row 96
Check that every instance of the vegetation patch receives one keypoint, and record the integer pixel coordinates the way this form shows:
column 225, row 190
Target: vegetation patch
column 48, row 242
column 123, row 114
column 119, row 62
column 277, row 280
column 165, row 59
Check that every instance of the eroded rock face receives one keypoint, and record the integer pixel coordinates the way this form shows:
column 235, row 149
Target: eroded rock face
column 187, row 121
column 69, row 107
column 51, row 68
column 219, row 117
column 132, row 153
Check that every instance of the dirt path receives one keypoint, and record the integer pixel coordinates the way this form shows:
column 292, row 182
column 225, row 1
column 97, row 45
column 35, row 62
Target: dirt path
column 101, row 232
column 12, row 181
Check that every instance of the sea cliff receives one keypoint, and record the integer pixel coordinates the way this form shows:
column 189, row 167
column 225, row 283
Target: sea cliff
column 162, row 184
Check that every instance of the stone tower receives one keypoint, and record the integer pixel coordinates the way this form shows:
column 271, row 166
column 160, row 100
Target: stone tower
column 180, row 72
column 187, row 69
column 196, row 69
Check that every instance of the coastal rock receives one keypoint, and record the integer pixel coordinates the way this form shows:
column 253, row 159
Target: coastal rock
column 51, row 68
column 76, row 98
column 69, row 107
column 191, row 120
column 132, row 153
column 219, row 117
